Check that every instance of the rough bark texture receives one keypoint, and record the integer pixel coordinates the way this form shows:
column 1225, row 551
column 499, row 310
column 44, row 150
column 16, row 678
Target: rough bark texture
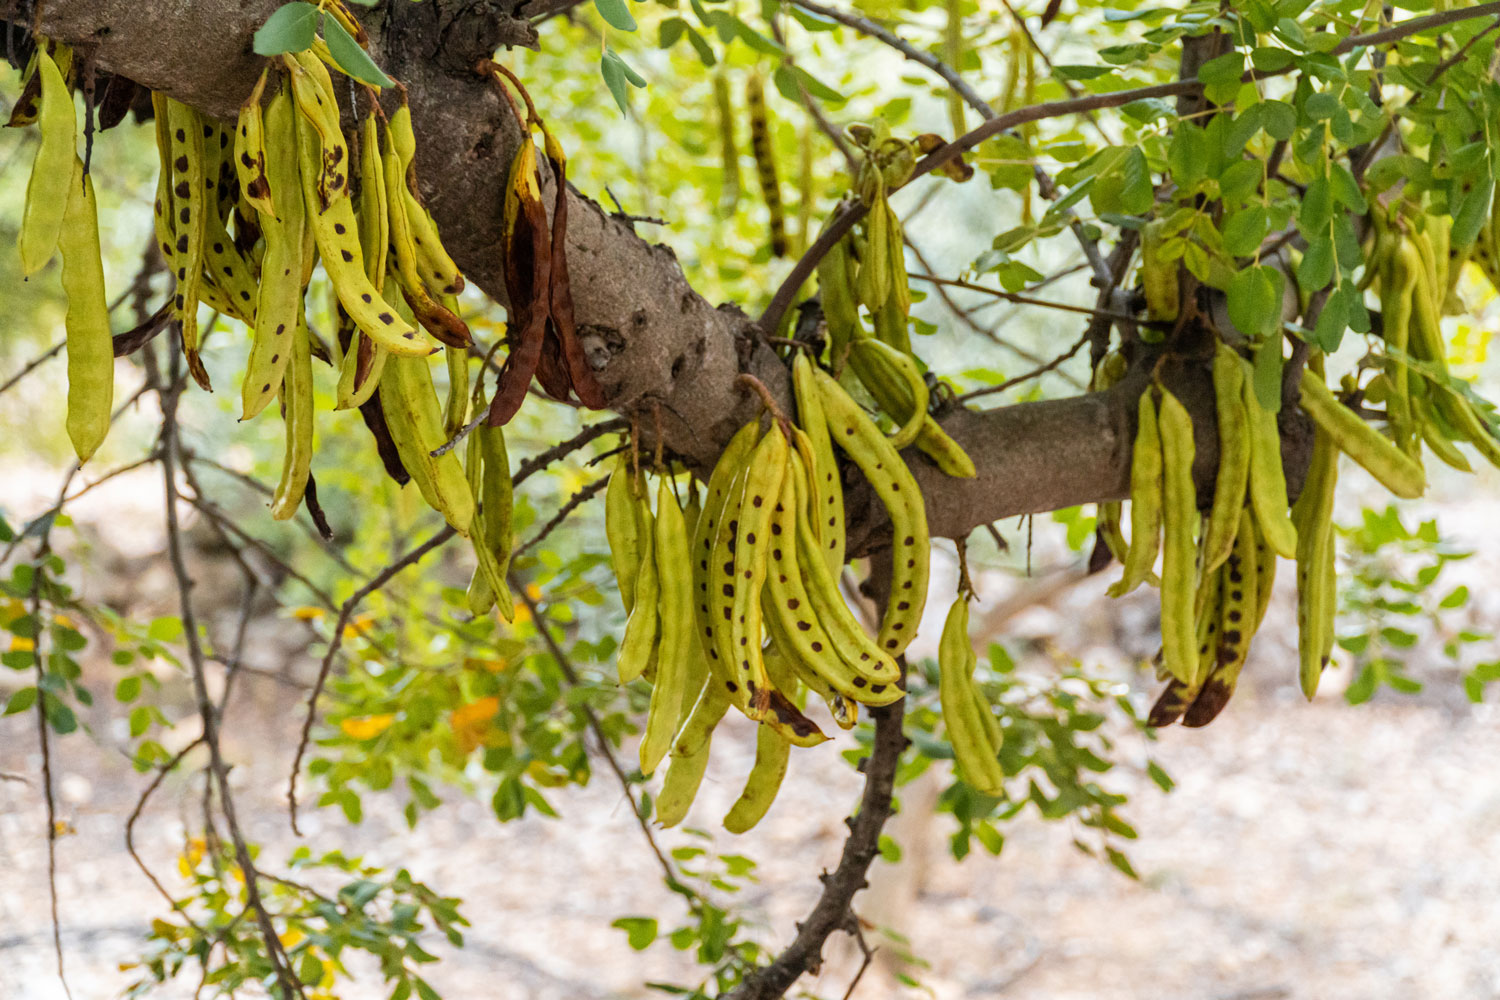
column 650, row 337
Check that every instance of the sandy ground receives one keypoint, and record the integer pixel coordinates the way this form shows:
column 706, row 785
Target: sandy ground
column 1309, row 851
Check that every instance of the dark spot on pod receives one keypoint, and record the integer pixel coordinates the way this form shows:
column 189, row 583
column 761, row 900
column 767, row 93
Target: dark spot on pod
column 177, row 301
column 386, row 318
column 275, row 358
column 877, row 688
column 750, row 537
column 1234, row 616
column 1203, row 649
column 182, row 244
column 703, row 564
column 859, row 682
column 182, row 274
column 793, row 603
column 410, row 336
column 903, row 606
column 166, row 251
column 713, row 654
column 728, row 615
column 864, row 656
column 732, row 686
column 910, row 540
column 1233, row 635
column 266, row 387
column 895, row 487
column 748, row 574
column 776, row 554
column 817, row 647
column 1234, row 576
column 185, row 215
column 849, row 431
column 898, row 626
column 1236, row 595
column 182, row 190
column 181, row 136
column 158, row 206
column 208, row 130
column 180, row 164
column 245, row 159
column 728, row 590
column 911, row 563
column 338, row 227
column 228, row 271
column 757, row 501
column 348, row 257
column 890, row 644
column 804, row 626
column 906, row 585
column 782, row 578
column 832, row 522
column 280, row 329
column 729, row 568
column 245, row 296
column 776, row 530
column 223, row 139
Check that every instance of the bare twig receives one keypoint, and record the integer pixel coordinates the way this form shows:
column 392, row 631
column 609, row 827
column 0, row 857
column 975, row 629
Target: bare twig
column 275, row 951
column 135, row 815
column 346, row 610
column 575, row 501
column 1028, row 376
column 32, row 365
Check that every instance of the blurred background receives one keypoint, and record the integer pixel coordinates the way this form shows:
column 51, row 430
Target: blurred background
column 1346, row 848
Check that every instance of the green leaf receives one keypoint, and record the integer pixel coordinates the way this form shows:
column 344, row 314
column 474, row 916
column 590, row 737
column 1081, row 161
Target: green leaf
column 1223, row 69
column 670, row 31
column 167, row 628
column 140, row 720
column 616, row 74
column 1456, row 598
column 309, row 969
column 1255, row 300
column 639, row 931
column 1278, row 119
column 59, row 716
column 616, row 14
column 889, row 849
column 1316, row 268
column 353, row 60
column 1345, row 188
column 1267, row 59
column 289, row 29
column 128, row 689
column 1317, row 208
column 1473, row 213
column 701, row 46
column 1244, row 230
column 1161, row 777
column 21, row 700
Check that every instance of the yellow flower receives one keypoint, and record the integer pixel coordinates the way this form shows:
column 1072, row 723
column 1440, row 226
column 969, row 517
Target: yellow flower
column 520, row 616
column 358, row 625
column 290, row 937
column 367, row 727
column 307, row 613
column 494, row 666
column 64, row 621
column 471, row 721
column 20, row 645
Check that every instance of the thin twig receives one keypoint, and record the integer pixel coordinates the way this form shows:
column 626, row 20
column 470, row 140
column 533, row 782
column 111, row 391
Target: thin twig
column 575, row 501
column 346, row 610
column 135, row 815
column 564, row 664
column 1027, row 300
column 275, row 951
column 33, row 364
column 1028, row 376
